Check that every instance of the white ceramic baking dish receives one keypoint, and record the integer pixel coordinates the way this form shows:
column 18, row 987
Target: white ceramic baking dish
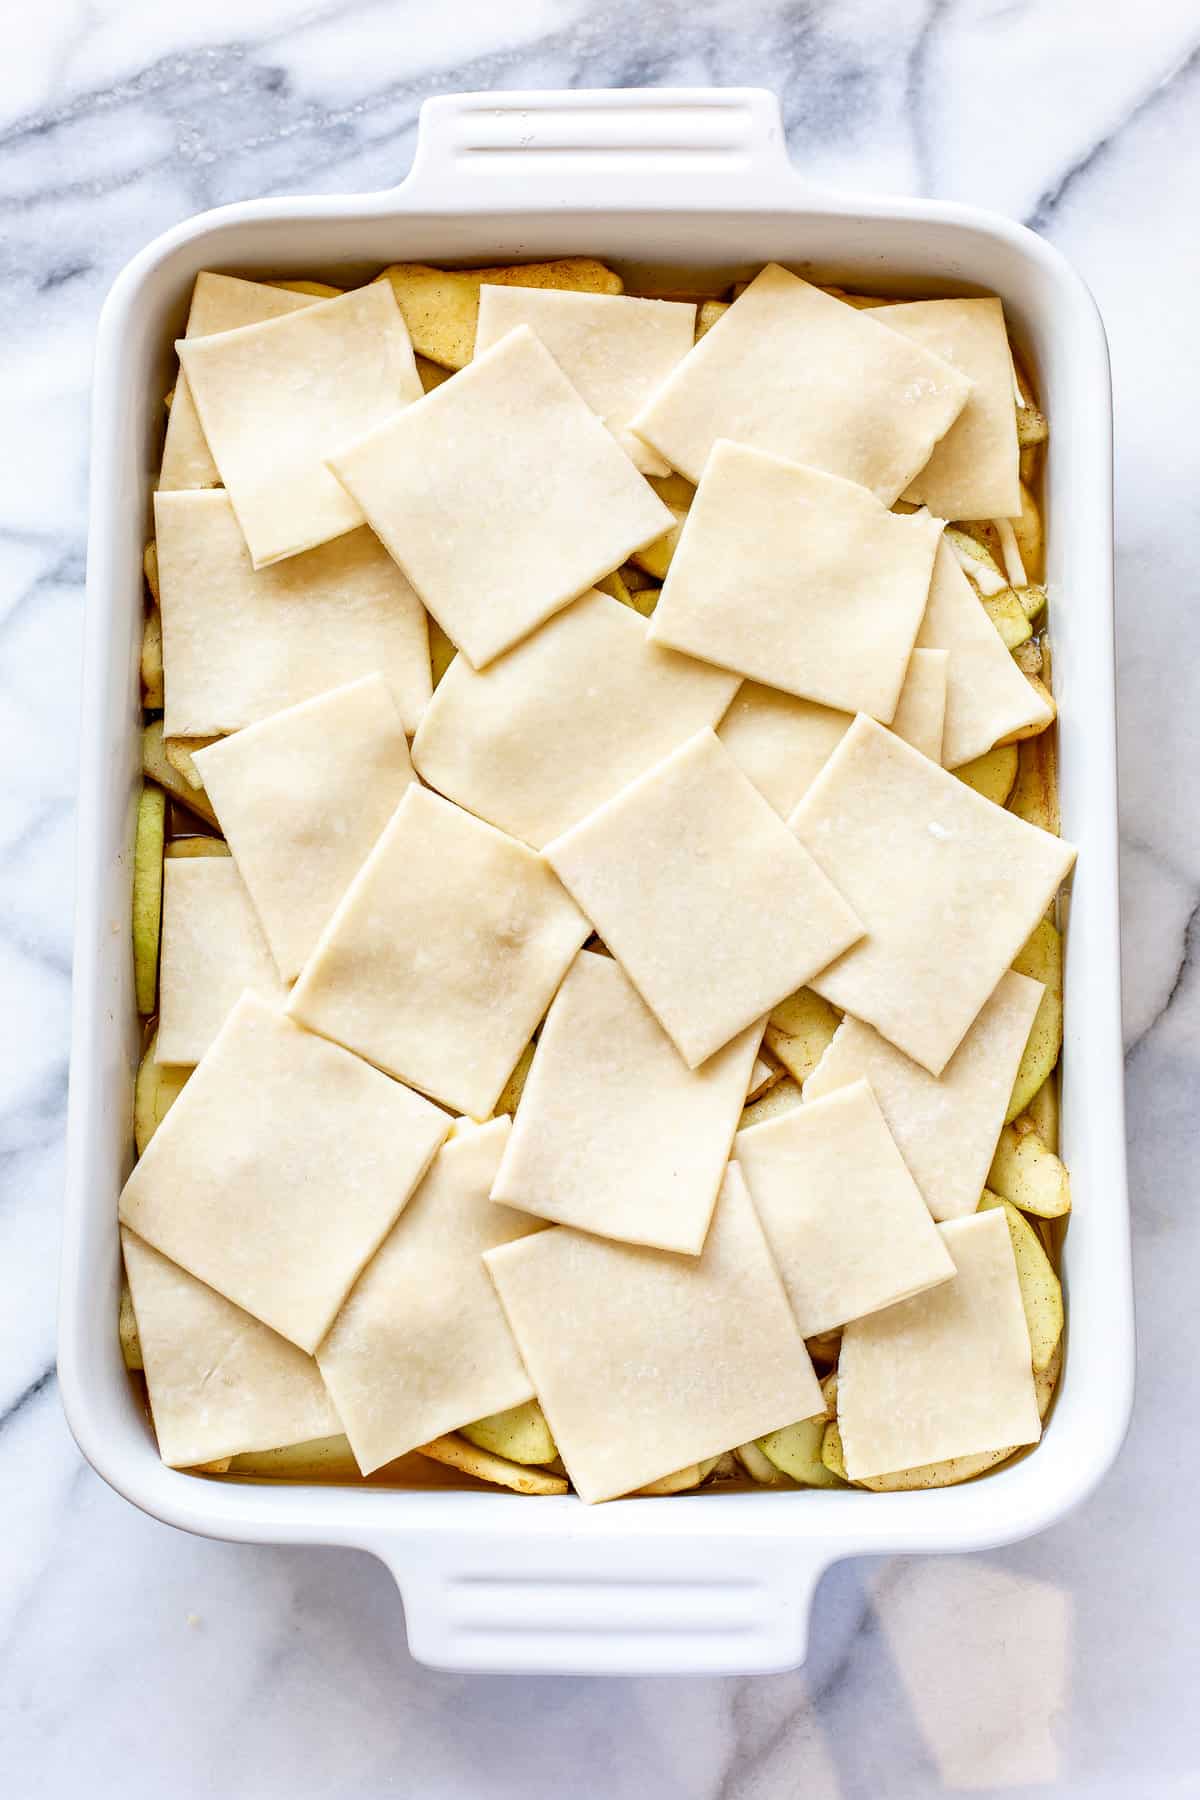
column 687, row 180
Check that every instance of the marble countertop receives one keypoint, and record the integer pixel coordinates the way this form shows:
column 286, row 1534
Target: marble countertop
column 138, row 1662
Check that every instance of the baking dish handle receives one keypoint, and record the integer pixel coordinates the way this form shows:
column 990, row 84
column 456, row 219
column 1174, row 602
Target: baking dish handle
column 717, row 1605
column 601, row 148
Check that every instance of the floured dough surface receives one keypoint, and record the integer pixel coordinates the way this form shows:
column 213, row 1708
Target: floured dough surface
column 219, row 303
column 219, row 1381
column 921, row 710
column 973, row 472
column 987, row 697
column 645, row 1362
column 280, row 1142
column 422, row 1345
column 302, row 798
column 791, row 370
column 213, row 949
column 278, row 398
column 443, row 955
column 842, row 1214
column 946, row 1127
column 798, row 579
column 238, row 645
column 616, row 350
column 948, row 1373
column 703, row 895
column 947, row 884
column 782, row 743
column 614, row 1133
column 497, row 529
column 563, row 720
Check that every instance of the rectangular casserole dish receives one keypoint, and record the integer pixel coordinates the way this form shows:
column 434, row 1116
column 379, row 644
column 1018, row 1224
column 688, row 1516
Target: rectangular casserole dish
column 688, row 180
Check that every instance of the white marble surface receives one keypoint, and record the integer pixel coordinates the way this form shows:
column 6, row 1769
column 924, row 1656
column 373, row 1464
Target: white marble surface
column 138, row 1662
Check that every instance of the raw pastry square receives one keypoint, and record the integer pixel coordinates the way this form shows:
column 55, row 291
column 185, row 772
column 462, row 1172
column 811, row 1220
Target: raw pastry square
column 238, row 646
column 615, row 350
column 791, row 370
column 302, row 798
column 220, row 1383
column 559, row 723
column 920, row 714
column 842, row 1214
column 645, row 1362
column 695, row 885
column 798, row 579
column 973, row 472
column 502, row 496
column 946, row 1127
column 278, row 398
column 948, row 1373
column 444, row 954
column 219, row 303
column 213, row 948
column 422, row 1345
column 614, row 1133
column 280, row 1169
column 782, row 743
column 947, row 884
column 987, row 697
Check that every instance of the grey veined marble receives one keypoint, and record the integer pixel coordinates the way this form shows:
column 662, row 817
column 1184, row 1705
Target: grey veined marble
column 141, row 1663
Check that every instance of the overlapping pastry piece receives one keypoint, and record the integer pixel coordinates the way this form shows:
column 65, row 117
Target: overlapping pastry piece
column 443, row 955
column 645, row 1362
column 501, row 495
column 614, row 1133
column 791, row 370
column 842, row 1214
column 212, row 950
column 681, row 874
column 278, row 398
column 948, row 887
column 798, row 579
column 279, row 1170
column 239, row 645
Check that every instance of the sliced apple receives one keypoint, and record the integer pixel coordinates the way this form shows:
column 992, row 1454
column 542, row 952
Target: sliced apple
column 1041, row 1290
column 147, row 893
column 520, row 1433
column 1027, row 1172
column 1041, row 959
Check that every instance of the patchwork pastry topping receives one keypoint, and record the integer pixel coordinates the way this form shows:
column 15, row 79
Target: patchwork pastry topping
column 591, row 891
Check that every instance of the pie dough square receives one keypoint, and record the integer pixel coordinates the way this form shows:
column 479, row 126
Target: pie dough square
column 842, row 1214
column 502, row 496
column 220, row 1383
column 302, row 798
column 443, row 955
column 280, row 1169
column 278, row 398
column 645, row 1362
column 987, row 697
column 238, row 646
column 782, row 743
column 615, row 350
column 947, row 884
column 946, row 1127
column 213, row 948
column 920, row 715
column 219, row 303
column 948, row 1373
column 791, row 370
column 798, row 579
column 562, row 721
column 974, row 471
column 422, row 1345
column 614, row 1133
column 695, row 885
